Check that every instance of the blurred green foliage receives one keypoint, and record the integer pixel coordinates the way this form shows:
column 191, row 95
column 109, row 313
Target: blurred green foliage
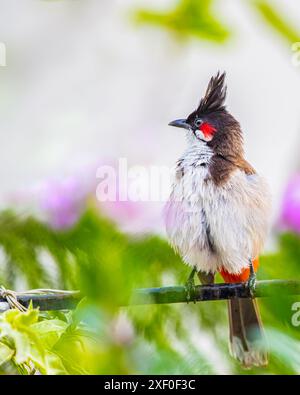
column 277, row 20
column 189, row 18
column 199, row 19
column 102, row 338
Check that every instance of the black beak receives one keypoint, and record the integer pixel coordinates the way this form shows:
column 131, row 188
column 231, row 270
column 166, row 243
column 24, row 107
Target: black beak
column 180, row 123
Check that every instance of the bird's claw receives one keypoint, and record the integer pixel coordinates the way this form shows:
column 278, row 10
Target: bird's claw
column 251, row 283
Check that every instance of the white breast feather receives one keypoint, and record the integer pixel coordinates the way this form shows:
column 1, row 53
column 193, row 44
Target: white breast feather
column 236, row 215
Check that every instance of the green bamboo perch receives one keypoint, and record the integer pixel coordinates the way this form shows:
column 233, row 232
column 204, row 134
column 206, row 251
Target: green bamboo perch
column 202, row 293
column 66, row 300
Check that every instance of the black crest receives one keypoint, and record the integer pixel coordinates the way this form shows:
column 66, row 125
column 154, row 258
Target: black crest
column 215, row 95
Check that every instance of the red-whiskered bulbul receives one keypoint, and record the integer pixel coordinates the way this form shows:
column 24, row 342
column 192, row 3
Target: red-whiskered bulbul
column 217, row 216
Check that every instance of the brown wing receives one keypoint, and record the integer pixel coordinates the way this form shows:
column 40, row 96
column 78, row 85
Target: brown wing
column 244, row 165
column 221, row 168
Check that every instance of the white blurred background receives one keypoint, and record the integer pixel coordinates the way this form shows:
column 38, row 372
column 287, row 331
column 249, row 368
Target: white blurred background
column 83, row 83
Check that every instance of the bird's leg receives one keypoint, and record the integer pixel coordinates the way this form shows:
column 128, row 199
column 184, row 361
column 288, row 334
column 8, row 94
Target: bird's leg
column 190, row 285
column 251, row 283
column 206, row 278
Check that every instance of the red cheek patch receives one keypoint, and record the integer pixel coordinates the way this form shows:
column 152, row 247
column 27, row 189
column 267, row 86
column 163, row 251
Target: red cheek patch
column 207, row 129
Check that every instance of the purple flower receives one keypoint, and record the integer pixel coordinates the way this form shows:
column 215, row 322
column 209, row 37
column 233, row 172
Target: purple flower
column 63, row 202
column 290, row 215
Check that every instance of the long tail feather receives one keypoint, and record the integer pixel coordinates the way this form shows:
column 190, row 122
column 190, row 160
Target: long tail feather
column 247, row 340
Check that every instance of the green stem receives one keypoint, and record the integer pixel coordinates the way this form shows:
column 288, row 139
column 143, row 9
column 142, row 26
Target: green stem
column 172, row 294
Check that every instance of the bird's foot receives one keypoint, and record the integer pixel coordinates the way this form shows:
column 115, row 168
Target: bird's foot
column 251, row 283
column 190, row 287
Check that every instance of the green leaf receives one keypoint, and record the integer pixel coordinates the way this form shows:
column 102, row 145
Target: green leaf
column 277, row 20
column 22, row 345
column 190, row 18
column 49, row 331
column 6, row 353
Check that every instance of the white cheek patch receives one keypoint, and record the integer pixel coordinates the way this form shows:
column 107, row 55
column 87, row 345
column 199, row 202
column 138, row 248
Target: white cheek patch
column 200, row 135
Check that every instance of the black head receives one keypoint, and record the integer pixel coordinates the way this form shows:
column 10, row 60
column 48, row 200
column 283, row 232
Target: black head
column 211, row 122
column 200, row 120
column 211, row 104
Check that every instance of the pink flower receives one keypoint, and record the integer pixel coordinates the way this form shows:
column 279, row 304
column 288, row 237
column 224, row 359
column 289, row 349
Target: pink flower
column 63, row 202
column 290, row 215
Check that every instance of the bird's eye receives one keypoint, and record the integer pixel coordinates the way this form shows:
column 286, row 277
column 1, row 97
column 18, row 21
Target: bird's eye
column 198, row 122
